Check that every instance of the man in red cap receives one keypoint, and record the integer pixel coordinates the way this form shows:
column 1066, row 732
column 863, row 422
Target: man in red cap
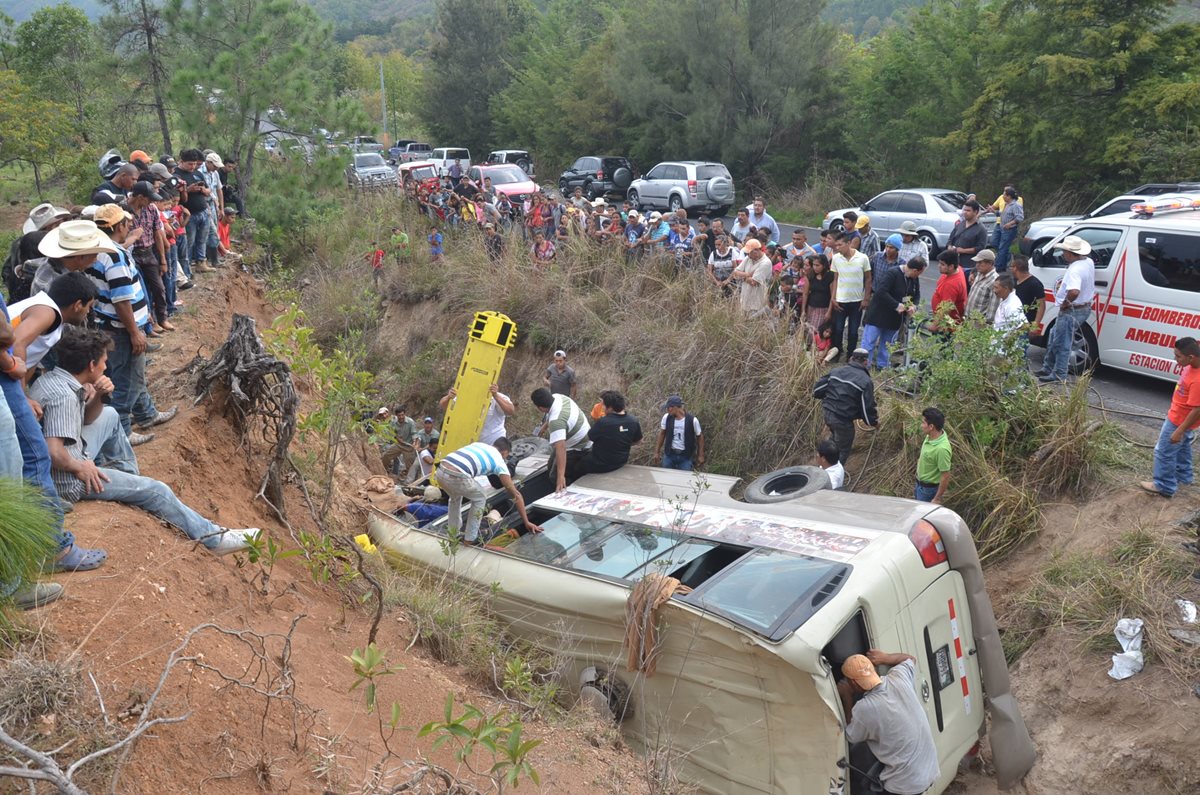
column 890, row 719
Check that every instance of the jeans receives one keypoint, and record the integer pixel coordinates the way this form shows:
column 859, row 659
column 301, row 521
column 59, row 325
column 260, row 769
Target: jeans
column 156, row 498
column 171, row 279
column 183, row 252
column 1173, row 462
column 10, row 446
column 924, row 493
column 843, row 435
column 674, row 460
column 873, row 337
column 1004, row 248
column 107, row 445
column 850, row 313
column 197, row 235
column 130, row 398
column 152, row 276
column 35, row 455
column 462, row 487
column 214, row 241
column 1062, row 337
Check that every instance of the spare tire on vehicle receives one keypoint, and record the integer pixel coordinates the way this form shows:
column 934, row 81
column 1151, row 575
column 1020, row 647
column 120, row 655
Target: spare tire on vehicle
column 622, row 178
column 529, row 445
column 785, row 484
column 720, row 190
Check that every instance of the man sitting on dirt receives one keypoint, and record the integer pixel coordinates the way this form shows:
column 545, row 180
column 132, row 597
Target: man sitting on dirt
column 890, row 719
column 568, row 428
column 457, row 474
column 80, row 430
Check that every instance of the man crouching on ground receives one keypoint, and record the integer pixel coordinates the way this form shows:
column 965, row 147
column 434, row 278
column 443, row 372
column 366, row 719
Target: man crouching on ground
column 80, row 430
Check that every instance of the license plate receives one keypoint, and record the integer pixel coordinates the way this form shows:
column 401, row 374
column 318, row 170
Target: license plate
column 944, row 674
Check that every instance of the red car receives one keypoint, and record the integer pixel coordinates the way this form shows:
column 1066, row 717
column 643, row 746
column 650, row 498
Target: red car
column 507, row 178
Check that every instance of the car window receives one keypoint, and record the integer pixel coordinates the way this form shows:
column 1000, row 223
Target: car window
column 618, row 553
column 367, row 140
column 912, row 203
column 658, row 172
column 368, row 160
column 592, row 164
column 458, row 154
column 883, row 203
column 473, row 173
column 679, row 173
column 950, row 202
column 611, row 164
column 1117, row 207
column 1171, row 260
column 560, row 536
column 711, row 172
column 424, row 172
column 674, row 559
column 1103, row 241
column 506, row 175
column 762, row 587
column 420, row 148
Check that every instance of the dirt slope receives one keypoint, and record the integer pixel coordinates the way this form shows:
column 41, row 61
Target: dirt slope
column 121, row 622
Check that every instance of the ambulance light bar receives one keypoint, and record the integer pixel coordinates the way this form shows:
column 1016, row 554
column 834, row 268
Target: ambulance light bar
column 1166, row 205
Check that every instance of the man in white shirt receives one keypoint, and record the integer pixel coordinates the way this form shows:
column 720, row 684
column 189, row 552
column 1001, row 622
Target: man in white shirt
column 500, row 407
column 759, row 218
column 754, row 275
column 1010, row 315
column 1074, row 294
column 851, row 292
column 829, row 460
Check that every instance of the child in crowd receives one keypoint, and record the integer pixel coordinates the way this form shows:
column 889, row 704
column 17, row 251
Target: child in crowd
column 823, row 342
column 399, row 243
column 170, row 198
column 789, row 304
column 376, row 257
column 435, row 243
column 817, row 292
column 224, row 225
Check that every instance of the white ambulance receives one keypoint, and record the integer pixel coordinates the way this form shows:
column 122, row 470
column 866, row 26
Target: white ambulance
column 1147, row 286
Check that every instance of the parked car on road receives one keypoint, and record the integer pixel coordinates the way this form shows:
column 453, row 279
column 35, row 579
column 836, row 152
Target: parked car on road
column 445, row 156
column 749, row 654
column 518, row 157
column 933, row 210
column 1147, row 286
column 1043, row 230
column 600, row 176
column 507, row 179
column 687, row 184
column 364, row 143
column 414, row 150
column 370, row 170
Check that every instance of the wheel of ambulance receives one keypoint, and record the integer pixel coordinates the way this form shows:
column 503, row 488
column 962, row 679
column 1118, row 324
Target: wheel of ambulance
column 785, row 484
column 605, row 693
column 1085, row 351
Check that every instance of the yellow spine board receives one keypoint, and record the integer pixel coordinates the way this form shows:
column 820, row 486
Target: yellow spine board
column 488, row 341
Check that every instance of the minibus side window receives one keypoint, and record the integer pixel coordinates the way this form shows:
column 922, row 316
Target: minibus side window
column 1171, row 260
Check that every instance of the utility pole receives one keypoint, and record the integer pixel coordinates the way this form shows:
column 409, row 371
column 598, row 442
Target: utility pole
column 383, row 101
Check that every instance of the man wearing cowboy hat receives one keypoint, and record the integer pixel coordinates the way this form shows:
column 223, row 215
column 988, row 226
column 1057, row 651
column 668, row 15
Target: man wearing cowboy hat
column 1073, row 294
column 889, row 718
column 912, row 245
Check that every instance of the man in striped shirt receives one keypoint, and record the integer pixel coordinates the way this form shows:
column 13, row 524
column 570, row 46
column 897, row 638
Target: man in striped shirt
column 457, row 473
column 120, row 310
column 568, row 428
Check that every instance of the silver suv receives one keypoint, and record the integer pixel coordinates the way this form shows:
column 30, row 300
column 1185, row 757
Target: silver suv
column 687, row 184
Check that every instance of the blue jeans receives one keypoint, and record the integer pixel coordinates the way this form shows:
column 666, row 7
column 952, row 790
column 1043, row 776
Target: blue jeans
column 130, row 397
column 156, row 498
column 197, row 235
column 214, row 241
column 924, row 493
column 1062, row 336
column 1172, row 462
column 35, row 455
column 170, row 281
column 874, row 336
column 184, row 253
column 107, row 445
column 1004, row 248
column 10, row 448
column 672, row 460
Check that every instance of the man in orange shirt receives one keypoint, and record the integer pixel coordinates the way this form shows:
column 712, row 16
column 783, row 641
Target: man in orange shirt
column 1173, row 453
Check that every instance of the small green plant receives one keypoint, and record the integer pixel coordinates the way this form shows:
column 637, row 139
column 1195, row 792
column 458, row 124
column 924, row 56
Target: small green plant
column 263, row 551
column 325, row 561
column 473, row 730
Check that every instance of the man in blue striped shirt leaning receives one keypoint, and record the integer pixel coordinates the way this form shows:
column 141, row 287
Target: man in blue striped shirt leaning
column 457, row 473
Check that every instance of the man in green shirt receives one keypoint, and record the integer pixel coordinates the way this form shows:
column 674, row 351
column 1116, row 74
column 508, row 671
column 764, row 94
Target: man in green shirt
column 402, row 450
column 933, row 466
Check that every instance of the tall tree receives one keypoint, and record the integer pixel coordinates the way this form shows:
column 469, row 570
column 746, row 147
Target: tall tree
column 54, row 51
column 239, row 59
column 470, row 61
column 137, row 32
column 32, row 129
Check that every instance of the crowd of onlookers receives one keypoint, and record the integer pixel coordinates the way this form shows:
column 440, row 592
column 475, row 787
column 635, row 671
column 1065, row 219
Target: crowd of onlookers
column 88, row 290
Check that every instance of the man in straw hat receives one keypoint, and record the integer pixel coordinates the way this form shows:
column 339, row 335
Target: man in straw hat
column 1073, row 294
column 890, row 719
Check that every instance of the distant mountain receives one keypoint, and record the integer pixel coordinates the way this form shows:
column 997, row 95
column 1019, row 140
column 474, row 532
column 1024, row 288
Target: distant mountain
column 20, row 10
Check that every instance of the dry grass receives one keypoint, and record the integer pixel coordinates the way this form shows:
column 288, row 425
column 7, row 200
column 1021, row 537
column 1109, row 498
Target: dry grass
column 32, row 687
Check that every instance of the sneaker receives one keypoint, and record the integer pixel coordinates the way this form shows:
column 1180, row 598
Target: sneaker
column 185, row 286
column 30, row 597
column 159, row 418
column 202, row 268
column 233, row 540
column 179, row 304
column 1049, row 378
column 1041, row 374
column 153, row 347
column 831, row 355
column 136, row 438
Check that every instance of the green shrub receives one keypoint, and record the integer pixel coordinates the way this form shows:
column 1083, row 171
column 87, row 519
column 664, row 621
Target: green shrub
column 28, row 533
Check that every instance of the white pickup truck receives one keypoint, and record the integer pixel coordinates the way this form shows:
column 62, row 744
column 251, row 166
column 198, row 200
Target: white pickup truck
column 444, row 156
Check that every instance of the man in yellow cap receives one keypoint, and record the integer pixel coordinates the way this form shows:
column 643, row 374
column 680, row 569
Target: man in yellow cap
column 890, row 719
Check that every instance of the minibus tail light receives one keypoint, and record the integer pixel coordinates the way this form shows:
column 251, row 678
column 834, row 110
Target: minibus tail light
column 928, row 542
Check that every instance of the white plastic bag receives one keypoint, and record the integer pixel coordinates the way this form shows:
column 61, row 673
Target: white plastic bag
column 1130, row 660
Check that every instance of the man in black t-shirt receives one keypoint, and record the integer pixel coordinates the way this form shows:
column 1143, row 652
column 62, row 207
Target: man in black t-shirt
column 968, row 237
column 115, row 189
column 613, row 435
column 1032, row 295
column 194, row 196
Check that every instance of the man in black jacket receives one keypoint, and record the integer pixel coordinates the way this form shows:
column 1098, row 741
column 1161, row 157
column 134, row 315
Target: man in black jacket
column 897, row 295
column 847, row 394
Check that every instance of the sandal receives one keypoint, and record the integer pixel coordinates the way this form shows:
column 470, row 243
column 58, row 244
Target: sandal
column 77, row 559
